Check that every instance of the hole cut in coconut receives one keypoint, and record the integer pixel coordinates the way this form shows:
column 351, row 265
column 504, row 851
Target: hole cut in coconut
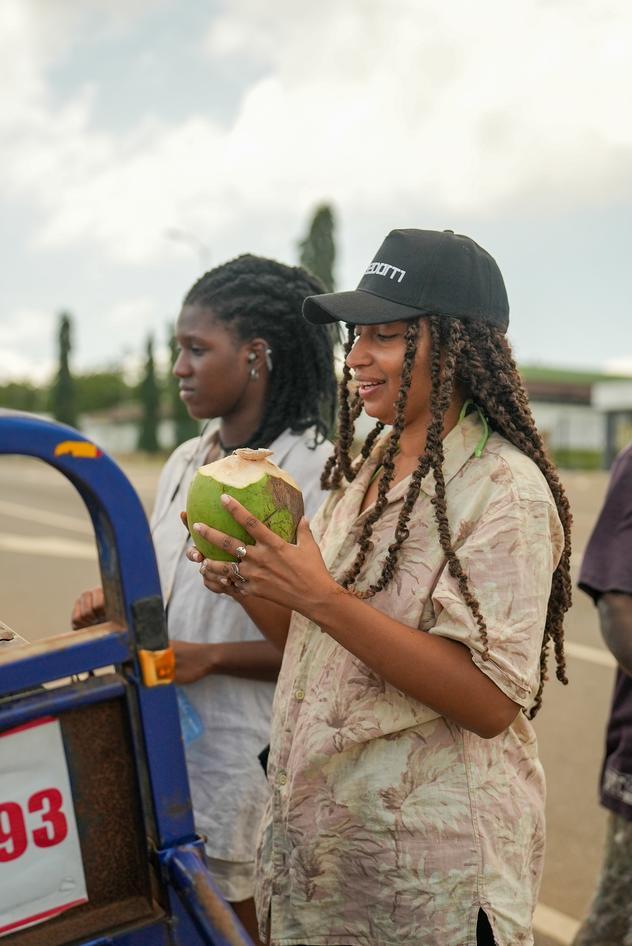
column 264, row 489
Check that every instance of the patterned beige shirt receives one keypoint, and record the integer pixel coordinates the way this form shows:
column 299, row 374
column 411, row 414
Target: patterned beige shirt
column 389, row 824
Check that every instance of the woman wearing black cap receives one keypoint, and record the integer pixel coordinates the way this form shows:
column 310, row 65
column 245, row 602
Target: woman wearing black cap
column 415, row 617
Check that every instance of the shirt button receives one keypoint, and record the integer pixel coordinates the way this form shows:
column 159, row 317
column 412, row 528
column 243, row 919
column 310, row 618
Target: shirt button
column 299, row 695
column 281, row 778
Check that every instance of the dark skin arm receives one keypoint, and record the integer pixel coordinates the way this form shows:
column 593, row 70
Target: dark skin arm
column 251, row 660
column 272, row 620
column 437, row 671
column 254, row 660
column 89, row 609
column 615, row 618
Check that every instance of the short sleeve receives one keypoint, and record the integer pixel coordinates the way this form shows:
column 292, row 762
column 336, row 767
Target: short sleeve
column 607, row 562
column 509, row 558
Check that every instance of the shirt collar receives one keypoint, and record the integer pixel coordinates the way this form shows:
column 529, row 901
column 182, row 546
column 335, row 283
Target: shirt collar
column 458, row 447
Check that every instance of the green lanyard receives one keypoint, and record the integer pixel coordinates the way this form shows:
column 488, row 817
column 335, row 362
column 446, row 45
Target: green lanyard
column 480, row 446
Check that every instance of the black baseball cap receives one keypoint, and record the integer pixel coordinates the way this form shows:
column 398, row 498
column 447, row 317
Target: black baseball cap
column 420, row 272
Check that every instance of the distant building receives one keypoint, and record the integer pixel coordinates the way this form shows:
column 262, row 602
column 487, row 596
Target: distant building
column 571, row 415
column 613, row 399
column 584, row 417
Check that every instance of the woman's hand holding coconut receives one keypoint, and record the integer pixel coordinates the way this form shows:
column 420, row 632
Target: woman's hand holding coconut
column 273, row 577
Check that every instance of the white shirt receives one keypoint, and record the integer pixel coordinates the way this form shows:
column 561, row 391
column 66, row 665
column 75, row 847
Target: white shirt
column 228, row 784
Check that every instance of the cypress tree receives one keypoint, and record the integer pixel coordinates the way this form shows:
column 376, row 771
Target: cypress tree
column 63, row 401
column 149, row 394
column 318, row 250
column 185, row 426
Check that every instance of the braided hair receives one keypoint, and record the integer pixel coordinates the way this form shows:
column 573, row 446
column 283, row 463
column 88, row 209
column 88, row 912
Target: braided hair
column 475, row 357
column 259, row 297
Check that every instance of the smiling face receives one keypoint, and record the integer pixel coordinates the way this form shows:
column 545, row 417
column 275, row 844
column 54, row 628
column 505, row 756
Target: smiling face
column 212, row 365
column 376, row 361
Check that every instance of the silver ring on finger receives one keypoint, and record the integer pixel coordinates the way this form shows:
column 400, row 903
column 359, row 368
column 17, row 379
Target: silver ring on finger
column 240, row 553
column 234, row 567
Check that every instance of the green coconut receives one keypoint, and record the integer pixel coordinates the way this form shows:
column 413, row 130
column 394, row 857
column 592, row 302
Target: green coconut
column 265, row 490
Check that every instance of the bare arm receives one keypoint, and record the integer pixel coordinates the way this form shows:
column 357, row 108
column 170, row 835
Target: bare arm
column 89, row 609
column 253, row 660
column 615, row 617
column 273, row 620
column 436, row 671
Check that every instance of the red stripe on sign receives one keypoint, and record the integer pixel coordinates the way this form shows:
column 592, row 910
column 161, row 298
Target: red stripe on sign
column 39, row 917
column 42, row 721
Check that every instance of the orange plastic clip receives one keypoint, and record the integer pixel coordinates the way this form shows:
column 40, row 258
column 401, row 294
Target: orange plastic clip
column 78, row 448
column 157, row 666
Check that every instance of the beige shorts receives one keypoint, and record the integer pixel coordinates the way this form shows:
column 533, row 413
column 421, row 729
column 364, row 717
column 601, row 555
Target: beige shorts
column 235, row 879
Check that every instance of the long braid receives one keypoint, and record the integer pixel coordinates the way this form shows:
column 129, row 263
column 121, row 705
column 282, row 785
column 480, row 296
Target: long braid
column 340, row 463
column 388, row 459
column 479, row 360
column 506, row 404
column 259, row 297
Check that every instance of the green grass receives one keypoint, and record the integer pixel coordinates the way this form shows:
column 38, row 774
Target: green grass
column 578, row 459
column 567, row 375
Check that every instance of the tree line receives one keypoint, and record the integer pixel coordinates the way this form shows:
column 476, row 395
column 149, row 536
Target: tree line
column 70, row 394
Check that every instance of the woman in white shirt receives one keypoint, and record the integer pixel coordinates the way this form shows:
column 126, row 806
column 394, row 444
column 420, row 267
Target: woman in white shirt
column 247, row 358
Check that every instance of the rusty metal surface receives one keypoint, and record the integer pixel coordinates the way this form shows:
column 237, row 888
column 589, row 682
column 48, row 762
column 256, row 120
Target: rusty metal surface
column 218, row 911
column 75, row 927
column 214, row 918
column 111, row 829
column 21, row 649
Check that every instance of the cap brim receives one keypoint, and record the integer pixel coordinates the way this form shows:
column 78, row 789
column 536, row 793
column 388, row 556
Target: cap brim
column 357, row 306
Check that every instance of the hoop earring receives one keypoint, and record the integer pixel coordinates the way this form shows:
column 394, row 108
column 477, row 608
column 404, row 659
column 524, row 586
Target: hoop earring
column 254, row 373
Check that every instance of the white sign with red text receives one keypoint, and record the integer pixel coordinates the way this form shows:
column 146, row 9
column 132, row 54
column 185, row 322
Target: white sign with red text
column 41, row 871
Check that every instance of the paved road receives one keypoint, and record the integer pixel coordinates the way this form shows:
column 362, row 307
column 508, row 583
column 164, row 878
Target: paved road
column 47, row 554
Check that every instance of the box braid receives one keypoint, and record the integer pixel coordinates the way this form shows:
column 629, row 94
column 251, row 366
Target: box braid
column 339, row 464
column 259, row 297
column 486, row 368
column 478, row 359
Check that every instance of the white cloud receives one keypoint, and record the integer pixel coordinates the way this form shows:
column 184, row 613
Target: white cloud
column 460, row 107
column 26, row 341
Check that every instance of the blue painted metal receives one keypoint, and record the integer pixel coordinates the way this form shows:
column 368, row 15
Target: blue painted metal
column 129, row 574
column 29, row 671
column 201, row 897
column 54, row 702
column 199, row 916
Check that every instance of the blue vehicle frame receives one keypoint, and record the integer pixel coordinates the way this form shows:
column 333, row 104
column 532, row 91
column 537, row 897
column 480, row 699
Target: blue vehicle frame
column 133, row 641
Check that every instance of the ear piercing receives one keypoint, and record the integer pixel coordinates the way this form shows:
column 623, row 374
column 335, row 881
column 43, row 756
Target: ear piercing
column 252, row 356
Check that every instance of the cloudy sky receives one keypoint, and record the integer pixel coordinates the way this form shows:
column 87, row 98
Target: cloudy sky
column 143, row 141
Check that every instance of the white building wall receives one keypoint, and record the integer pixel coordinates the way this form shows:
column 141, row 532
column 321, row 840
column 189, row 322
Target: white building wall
column 570, row 426
column 612, row 396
